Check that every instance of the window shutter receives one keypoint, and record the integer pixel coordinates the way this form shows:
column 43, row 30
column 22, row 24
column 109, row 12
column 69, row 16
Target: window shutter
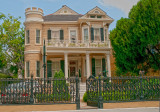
column 61, row 35
column 49, row 68
column 49, row 34
column 93, row 67
column 92, row 34
column 104, row 67
column 102, row 34
column 62, row 65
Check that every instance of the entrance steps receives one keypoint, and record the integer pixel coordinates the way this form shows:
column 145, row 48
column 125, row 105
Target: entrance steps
column 82, row 89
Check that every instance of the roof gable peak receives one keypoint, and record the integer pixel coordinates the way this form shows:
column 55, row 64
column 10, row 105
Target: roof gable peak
column 65, row 10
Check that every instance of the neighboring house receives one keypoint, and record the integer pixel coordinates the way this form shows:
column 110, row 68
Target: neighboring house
column 75, row 43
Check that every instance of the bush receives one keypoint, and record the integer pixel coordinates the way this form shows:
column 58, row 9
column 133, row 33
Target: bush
column 85, row 97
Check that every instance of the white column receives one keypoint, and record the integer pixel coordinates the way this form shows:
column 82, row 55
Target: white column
column 88, row 65
column 66, row 64
column 108, row 65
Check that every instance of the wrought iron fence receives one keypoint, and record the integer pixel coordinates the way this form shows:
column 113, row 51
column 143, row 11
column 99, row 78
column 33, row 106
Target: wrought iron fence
column 122, row 89
column 40, row 91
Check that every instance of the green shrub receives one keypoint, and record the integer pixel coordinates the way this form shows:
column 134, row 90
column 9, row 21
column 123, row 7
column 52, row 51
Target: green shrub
column 85, row 97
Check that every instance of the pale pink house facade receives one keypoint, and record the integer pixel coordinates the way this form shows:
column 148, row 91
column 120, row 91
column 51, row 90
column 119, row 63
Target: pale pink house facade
column 75, row 43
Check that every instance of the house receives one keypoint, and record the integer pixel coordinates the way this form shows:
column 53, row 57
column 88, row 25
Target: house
column 75, row 43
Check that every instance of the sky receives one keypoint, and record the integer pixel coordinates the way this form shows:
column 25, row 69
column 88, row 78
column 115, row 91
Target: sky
column 114, row 8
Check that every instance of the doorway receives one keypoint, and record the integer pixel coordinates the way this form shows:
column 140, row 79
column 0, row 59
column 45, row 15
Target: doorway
column 73, row 68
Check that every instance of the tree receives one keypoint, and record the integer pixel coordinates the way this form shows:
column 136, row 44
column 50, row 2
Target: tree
column 11, row 43
column 136, row 39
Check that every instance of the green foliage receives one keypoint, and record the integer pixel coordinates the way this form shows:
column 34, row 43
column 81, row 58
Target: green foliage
column 85, row 97
column 60, row 87
column 11, row 42
column 135, row 40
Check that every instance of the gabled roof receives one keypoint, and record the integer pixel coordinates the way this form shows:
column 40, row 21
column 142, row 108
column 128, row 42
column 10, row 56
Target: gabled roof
column 65, row 8
column 96, row 11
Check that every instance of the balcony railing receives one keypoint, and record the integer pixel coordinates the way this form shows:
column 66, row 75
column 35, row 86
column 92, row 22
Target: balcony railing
column 78, row 43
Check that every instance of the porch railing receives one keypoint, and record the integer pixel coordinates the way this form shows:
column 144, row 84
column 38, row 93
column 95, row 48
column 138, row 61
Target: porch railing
column 78, row 43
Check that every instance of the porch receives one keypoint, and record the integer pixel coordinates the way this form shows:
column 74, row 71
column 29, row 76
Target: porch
column 78, row 62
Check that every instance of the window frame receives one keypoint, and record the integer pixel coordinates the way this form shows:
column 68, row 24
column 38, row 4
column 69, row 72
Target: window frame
column 39, row 69
column 83, row 34
column 27, row 37
column 56, row 68
column 39, row 37
column 95, row 35
column 100, row 66
column 27, row 69
column 76, row 38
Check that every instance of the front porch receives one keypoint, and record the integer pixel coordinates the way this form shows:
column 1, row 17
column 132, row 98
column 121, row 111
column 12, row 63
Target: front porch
column 81, row 63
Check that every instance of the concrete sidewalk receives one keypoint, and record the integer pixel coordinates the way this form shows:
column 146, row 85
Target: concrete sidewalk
column 144, row 109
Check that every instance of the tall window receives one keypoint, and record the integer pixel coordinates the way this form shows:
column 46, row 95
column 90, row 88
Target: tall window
column 56, row 67
column 38, row 36
column 27, row 37
column 27, row 69
column 97, row 34
column 56, row 35
column 98, row 66
column 38, row 69
column 85, row 34
column 73, row 36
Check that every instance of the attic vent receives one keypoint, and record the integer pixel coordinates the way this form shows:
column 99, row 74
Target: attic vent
column 96, row 11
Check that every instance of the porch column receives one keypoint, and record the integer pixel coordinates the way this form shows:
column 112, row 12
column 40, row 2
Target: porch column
column 108, row 65
column 88, row 65
column 66, row 64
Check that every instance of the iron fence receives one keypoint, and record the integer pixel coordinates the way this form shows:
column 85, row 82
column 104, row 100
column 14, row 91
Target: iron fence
column 122, row 89
column 40, row 91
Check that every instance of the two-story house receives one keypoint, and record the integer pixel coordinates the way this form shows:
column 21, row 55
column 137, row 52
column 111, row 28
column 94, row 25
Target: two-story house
column 75, row 43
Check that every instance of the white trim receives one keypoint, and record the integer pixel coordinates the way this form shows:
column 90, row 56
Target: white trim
column 36, row 37
column 55, row 59
column 61, row 22
column 73, row 28
column 26, row 37
column 31, row 51
column 83, row 33
column 34, row 12
column 34, row 19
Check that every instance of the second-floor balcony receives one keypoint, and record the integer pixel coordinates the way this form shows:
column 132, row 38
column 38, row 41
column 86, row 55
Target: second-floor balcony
column 77, row 44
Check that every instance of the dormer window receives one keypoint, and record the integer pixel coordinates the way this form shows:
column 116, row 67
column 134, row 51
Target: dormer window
column 99, row 16
column 92, row 16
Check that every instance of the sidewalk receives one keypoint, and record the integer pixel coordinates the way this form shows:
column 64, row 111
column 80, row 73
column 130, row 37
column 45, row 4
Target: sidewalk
column 144, row 109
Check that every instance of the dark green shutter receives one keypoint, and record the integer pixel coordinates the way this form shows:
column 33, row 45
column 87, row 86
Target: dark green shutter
column 61, row 35
column 104, row 67
column 49, row 68
column 102, row 34
column 49, row 34
column 93, row 67
column 92, row 34
column 62, row 65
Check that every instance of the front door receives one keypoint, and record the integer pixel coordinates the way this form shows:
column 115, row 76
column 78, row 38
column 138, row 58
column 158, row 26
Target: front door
column 73, row 68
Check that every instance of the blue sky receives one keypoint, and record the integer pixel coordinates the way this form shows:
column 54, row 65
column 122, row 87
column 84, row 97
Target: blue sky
column 114, row 8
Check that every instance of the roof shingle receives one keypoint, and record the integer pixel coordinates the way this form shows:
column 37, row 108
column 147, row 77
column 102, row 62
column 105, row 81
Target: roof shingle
column 61, row 17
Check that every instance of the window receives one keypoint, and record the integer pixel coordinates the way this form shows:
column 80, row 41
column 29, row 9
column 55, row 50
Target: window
column 92, row 16
column 99, row 16
column 27, row 37
column 56, row 67
column 85, row 34
column 73, row 36
column 38, row 69
column 97, row 34
column 98, row 66
column 96, row 11
column 27, row 69
column 106, row 34
column 55, row 35
column 38, row 36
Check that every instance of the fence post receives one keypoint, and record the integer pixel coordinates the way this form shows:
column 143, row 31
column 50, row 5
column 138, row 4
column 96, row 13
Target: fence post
column 141, row 86
column 31, row 96
column 100, row 99
column 77, row 93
